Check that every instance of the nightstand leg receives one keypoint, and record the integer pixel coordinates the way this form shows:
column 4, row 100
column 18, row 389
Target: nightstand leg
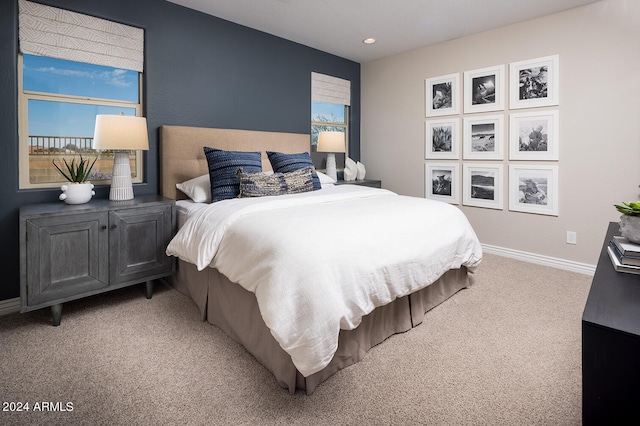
column 56, row 313
column 149, row 289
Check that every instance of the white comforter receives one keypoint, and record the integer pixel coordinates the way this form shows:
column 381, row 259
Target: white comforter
column 319, row 261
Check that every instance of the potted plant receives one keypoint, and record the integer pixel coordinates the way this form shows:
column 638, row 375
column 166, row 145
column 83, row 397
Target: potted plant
column 630, row 220
column 79, row 191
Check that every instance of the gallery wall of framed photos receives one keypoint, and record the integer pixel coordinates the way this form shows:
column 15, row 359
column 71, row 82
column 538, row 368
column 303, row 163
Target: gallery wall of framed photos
column 467, row 118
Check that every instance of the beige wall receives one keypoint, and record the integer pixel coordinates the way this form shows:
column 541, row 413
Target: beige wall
column 599, row 151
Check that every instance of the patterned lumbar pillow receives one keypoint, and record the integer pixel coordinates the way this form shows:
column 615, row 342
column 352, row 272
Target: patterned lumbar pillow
column 286, row 163
column 269, row 184
column 300, row 180
column 261, row 184
column 222, row 170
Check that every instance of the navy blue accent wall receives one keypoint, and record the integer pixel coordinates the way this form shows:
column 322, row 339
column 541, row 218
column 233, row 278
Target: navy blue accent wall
column 199, row 71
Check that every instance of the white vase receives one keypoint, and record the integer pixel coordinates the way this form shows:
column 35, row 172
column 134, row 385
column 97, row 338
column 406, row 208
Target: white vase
column 630, row 228
column 77, row 193
column 361, row 171
column 349, row 175
column 350, row 170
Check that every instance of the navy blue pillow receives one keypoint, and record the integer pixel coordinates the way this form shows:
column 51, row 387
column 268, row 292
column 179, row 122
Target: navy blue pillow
column 223, row 166
column 286, row 163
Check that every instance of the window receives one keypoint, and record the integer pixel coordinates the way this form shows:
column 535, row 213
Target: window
column 72, row 67
column 330, row 101
column 326, row 116
column 59, row 101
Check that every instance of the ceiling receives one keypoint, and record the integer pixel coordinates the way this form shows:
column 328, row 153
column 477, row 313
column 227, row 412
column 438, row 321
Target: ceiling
column 340, row 26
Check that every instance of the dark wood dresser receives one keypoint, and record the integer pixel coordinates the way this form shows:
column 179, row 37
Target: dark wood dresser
column 611, row 345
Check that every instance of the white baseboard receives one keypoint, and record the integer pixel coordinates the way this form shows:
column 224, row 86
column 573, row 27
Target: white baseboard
column 9, row 306
column 539, row 259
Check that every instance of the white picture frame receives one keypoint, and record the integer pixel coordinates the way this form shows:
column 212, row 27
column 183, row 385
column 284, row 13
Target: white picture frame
column 482, row 185
column 534, row 82
column 533, row 188
column 442, row 139
column 534, row 135
column 483, row 137
column 484, row 89
column 442, row 181
column 442, row 95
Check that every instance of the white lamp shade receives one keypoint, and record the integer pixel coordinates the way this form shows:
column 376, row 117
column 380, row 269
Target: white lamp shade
column 331, row 142
column 120, row 132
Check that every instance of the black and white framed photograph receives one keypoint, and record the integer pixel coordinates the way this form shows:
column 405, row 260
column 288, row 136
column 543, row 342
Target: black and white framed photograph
column 482, row 185
column 442, row 139
column 533, row 188
column 534, row 135
column 442, row 181
column 442, row 95
column 484, row 89
column 534, row 82
column 483, row 137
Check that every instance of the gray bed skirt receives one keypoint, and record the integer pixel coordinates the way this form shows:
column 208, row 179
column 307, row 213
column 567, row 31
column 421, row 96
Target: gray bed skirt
column 233, row 309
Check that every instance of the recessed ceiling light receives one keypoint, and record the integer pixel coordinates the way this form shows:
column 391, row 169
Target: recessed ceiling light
column 369, row 40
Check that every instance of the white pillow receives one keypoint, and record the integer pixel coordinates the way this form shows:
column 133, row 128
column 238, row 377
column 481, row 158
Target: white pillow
column 324, row 179
column 198, row 189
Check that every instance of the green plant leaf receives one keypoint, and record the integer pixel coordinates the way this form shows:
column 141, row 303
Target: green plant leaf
column 631, row 208
column 76, row 172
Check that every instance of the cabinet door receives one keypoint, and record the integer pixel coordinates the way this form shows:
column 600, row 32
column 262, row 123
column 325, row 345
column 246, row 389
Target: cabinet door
column 138, row 239
column 66, row 257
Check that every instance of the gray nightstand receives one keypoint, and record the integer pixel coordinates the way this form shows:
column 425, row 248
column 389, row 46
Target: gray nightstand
column 72, row 251
column 365, row 182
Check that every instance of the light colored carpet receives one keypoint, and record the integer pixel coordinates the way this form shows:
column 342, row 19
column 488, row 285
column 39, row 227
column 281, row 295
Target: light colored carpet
column 506, row 351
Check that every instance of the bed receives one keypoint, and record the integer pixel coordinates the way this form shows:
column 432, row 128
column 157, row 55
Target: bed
column 310, row 306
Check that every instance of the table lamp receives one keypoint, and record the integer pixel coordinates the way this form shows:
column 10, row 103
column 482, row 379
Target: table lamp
column 331, row 142
column 121, row 133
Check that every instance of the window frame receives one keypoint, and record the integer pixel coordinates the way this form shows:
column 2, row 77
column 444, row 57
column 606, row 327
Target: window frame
column 344, row 126
column 24, row 96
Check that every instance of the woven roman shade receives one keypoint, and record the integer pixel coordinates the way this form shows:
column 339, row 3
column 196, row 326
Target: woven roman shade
column 325, row 88
column 58, row 33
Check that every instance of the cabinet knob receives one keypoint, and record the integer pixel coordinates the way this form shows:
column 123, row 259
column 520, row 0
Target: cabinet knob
column 103, row 227
column 114, row 226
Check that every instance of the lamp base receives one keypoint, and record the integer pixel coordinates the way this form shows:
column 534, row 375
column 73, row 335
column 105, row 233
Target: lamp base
column 331, row 166
column 121, row 186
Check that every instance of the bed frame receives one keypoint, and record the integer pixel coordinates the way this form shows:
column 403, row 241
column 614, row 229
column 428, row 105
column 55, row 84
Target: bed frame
column 235, row 310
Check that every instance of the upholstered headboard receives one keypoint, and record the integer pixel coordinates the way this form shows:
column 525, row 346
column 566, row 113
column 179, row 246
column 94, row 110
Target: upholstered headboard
column 182, row 157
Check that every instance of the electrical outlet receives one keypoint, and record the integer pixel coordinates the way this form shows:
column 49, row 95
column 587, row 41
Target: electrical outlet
column 572, row 238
